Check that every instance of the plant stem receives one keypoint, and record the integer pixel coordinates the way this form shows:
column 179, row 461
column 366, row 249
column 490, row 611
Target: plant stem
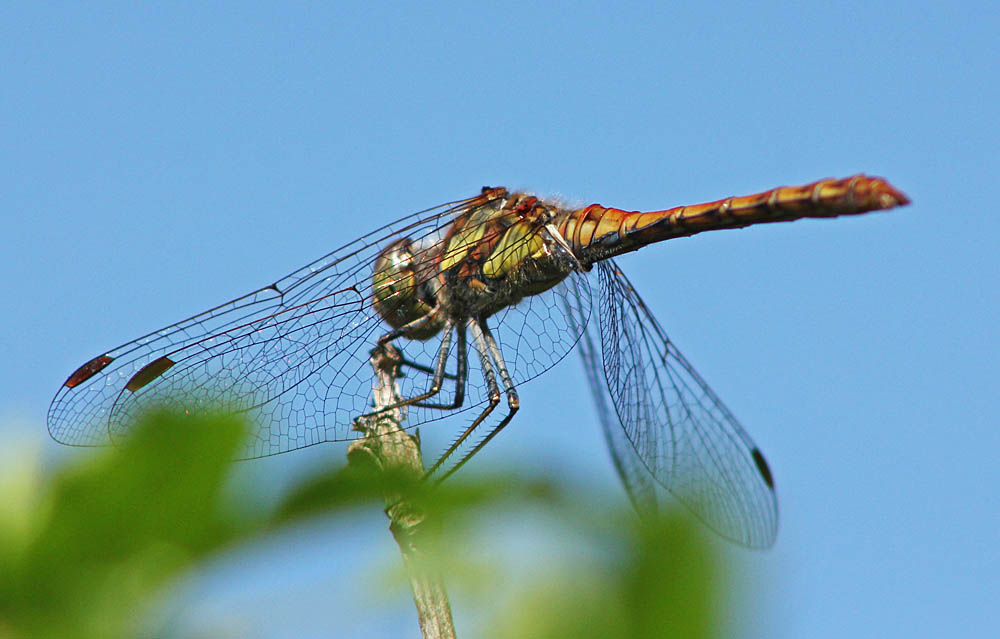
column 389, row 447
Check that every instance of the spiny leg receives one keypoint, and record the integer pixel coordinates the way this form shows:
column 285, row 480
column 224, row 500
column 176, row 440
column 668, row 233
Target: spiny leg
column 405, row 362
column 512, row 400
column 405, row 331
column 460, row 377
column 493, row 389
column 439, row 374
column 488, row 350
column 410, row 328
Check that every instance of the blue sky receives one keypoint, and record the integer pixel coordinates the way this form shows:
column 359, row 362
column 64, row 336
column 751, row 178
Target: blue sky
column 156, row 161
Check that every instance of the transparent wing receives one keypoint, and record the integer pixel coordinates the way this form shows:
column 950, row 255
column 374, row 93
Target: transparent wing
column 677, row 430
column 637, row 480
column 294, row 356
column 288, row 352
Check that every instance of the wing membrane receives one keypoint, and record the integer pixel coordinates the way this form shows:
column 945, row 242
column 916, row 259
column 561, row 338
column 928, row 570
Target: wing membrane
column 677, row 429
column 637, row 480
column 286, row 328
column 294, row 355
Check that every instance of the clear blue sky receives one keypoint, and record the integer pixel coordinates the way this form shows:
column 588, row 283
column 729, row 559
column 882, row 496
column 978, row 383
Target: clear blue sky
column 156, row 161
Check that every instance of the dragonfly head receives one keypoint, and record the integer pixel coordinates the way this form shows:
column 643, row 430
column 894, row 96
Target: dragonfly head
column 401, row 295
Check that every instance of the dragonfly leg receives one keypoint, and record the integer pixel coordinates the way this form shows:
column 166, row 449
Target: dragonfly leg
column 493, row 390
column 405, row 362
column 408, row 330
column 436, row 382
column 417, row 325
column 460, row 377
column 490, row 355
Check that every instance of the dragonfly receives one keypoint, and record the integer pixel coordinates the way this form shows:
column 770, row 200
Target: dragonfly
column 477, row 297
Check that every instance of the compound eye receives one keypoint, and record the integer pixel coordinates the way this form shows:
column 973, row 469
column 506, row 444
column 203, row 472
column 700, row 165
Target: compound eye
column 393, row 277
column 395, row 287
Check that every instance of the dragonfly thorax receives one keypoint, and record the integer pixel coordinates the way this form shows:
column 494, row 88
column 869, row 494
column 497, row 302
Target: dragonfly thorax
column 491, row 256
column 497, row 254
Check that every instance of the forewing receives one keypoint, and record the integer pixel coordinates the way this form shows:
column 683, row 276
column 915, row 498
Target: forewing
column 291, row 353
column 677, row 428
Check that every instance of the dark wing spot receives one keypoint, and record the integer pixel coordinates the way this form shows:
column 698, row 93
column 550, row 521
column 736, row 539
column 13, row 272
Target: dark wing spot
column 87, row 371
column 762, row 468
column 148, row 373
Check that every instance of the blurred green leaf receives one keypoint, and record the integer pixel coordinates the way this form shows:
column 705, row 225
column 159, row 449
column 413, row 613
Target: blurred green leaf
column 114, row 526
column 658, row 578
column 87, row 550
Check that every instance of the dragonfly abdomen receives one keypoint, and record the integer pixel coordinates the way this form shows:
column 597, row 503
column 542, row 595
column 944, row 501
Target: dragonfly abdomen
column 598, row 233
